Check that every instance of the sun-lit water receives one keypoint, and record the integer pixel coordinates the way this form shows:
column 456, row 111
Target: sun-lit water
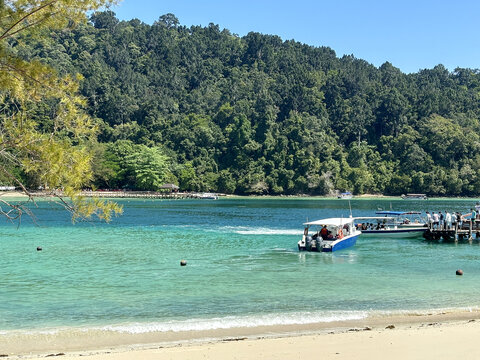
column 243, row 269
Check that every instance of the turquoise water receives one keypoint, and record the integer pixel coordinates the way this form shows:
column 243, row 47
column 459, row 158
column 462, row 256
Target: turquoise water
column 243, row 269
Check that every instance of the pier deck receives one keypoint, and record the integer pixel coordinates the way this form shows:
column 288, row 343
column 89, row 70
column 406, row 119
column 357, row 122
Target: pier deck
column 467, row 230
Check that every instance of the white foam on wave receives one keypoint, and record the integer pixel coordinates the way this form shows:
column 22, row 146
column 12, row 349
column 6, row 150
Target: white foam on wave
column 236, row 322
column 297, row 318
column 421, row 312
column 245, row 230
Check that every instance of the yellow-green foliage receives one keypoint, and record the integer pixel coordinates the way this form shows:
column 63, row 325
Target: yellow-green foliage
column 60, row 158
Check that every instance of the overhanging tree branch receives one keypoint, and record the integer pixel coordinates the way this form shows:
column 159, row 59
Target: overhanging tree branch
column 26, row 16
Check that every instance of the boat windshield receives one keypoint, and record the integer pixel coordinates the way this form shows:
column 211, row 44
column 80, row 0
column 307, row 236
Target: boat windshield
column 405, row 217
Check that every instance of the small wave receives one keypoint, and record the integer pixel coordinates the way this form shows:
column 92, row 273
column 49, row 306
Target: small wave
column 248, row 321
column 236, row 322
column 422, row 312
column 245, row 230
column 297, row 318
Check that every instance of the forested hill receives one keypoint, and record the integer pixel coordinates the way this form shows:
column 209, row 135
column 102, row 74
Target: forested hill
column 212, row 111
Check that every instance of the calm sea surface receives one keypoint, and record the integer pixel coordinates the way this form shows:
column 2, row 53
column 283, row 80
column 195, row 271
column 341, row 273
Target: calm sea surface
column 243, row 269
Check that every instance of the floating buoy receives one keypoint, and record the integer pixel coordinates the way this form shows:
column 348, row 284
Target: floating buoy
column 183, row 262
column 39, row 248
column 459, row 272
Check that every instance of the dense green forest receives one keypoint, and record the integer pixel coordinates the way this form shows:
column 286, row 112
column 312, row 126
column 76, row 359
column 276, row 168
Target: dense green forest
column 211, row 111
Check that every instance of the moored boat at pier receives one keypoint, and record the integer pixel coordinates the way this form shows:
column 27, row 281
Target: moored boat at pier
column 392, row 224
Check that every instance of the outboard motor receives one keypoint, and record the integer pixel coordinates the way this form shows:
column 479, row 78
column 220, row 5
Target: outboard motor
column 302, row 244
column 319, row 244
column 308, row 242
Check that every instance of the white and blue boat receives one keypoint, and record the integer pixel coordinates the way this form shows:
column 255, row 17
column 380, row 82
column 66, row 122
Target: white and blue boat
column 328, row 235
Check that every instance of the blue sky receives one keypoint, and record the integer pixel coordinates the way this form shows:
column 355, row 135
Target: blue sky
column 412, row 35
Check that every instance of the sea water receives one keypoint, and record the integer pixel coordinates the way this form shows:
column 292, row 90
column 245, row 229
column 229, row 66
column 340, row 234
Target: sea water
column 243, row 267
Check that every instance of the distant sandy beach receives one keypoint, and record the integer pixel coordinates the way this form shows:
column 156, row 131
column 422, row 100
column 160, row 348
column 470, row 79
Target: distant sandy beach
column 12, row 194
column 437, row 336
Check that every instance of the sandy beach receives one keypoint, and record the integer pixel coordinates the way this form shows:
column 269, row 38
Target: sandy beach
column 13, row 194
column 435, row 336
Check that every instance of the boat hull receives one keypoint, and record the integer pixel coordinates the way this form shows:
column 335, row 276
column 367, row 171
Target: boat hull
column 346, row 242
column 330, row 246
column 397, row 233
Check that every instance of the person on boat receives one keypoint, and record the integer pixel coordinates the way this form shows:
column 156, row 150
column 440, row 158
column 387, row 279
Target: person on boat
column 324, row 232
column 448, row 220
column 440, row 216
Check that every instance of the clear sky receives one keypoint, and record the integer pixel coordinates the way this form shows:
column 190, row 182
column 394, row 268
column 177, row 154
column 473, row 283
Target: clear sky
column 412, row 35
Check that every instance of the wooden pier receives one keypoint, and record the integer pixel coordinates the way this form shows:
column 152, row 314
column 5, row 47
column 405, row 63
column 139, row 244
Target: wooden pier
column 466, row 231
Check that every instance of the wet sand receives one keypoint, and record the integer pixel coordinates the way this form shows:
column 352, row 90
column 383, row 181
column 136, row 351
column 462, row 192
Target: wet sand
column 435, row 336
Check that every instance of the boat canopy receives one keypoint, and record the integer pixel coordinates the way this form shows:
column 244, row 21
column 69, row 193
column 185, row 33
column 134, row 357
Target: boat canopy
column 398, row 213
column 374, row 218
column 330, row 221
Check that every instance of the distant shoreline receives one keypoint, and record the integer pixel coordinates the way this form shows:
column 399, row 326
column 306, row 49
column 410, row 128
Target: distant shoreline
column 12, row 194
column 145, row 194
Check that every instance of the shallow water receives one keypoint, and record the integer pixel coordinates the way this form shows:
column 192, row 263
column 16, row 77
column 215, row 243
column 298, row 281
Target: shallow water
column 243, row 269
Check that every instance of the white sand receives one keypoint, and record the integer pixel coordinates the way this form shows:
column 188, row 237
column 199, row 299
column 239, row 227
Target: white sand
column 447, row 341
column 441, row 336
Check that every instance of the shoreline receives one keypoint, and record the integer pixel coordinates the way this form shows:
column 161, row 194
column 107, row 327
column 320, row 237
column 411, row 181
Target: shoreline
column 119, row 345
column 424, row 341
column 168, row 196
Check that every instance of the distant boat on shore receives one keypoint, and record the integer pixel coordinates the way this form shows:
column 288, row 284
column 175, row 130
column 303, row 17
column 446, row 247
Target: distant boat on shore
column 208, row 196
column 345, row 195
column 414, row 197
